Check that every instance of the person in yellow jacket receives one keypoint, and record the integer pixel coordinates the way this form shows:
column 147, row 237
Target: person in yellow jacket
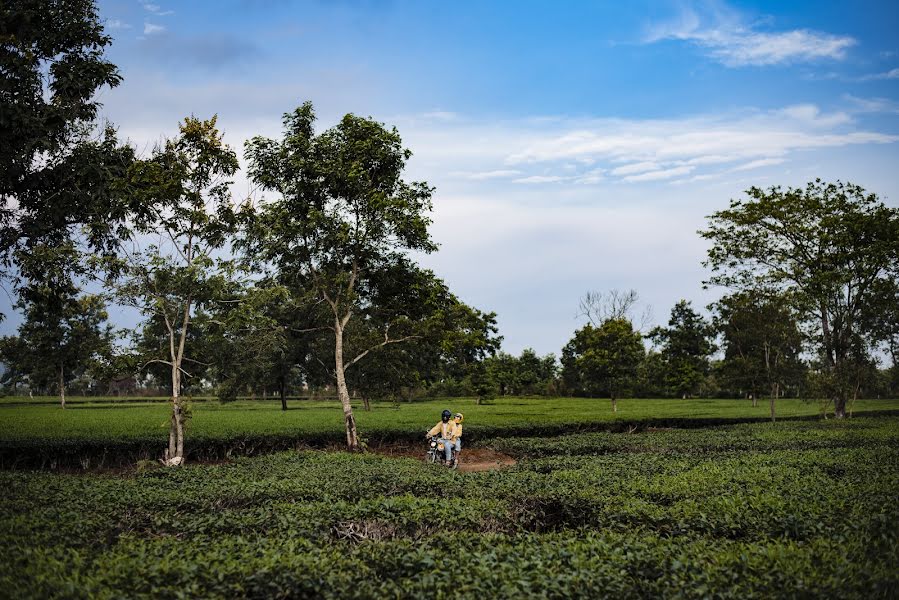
column 444, row 430
column 457, row 437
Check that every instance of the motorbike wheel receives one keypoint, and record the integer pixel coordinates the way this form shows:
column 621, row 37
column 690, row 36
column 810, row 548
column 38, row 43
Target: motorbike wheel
column 431, row 458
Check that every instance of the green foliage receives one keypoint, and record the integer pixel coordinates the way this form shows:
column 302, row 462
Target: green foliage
column 603, row 360
column 832, row 246
column 742, row 511
column 761, row 342
column 685, row 347
column 59, row 339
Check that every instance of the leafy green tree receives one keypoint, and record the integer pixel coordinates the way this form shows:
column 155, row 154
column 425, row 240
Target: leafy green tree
column 536, row 375
column 828, row 245
column 445, row 335
column 603, row 360
column 58, row 342
column 685, row 346
column 343, row 220
column 761, row 342
column 185, row 181
column 58, row 184
column 503, row 372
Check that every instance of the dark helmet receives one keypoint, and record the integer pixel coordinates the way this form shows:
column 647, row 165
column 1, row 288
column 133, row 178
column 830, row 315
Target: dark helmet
column 445, row 415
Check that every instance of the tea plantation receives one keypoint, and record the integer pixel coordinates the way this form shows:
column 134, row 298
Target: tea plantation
column 598, row 505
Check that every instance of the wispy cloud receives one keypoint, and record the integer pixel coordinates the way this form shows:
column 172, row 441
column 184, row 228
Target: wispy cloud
column 633, row 151
column 726, row 38
column 638, row 167
column 540, row 179
column 152, row 29
column 484, row 175
column 655, row 148
column 757, row 164
column 891, row 74
column 660, row 174
column 156, row 9
column 117, row 24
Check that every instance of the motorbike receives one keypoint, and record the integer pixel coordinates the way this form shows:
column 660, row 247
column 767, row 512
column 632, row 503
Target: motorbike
column 437, row 453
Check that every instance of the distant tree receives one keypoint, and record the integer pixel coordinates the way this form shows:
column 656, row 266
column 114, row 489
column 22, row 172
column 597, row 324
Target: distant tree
column 56, row 343
column 599, row 307
column 829, row 245
column 185, row 181
column 603, row 360
column 536, row 375
column 684, row 348
column 761, row 342
column 503, row 371
column 343, row 220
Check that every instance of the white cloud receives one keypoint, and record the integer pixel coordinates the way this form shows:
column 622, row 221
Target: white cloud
column 481, row 176
column 891, row 74
column 872, row 105
column 756, row 164
column 117, row 24
column 649, row 145
column 591, row 177
column 156, row 9
column 639, row 167
column 151, row 29
column 540, row 179
column 735, row 44
column 662, row 174
column 441, row 115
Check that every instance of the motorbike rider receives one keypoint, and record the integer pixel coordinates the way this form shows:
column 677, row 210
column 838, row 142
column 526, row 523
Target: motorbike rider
column 444, row 430
column 457, row 437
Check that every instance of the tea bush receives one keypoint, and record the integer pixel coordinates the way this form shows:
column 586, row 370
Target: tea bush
column 797, row 509
column 104, row 434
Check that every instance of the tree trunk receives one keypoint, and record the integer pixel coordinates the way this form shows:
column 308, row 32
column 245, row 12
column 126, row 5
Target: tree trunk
column 366, row 403
column 839, row 406
column 174, row 456
column 775, row 391
column 352, row 440
column 614, row 404
column 62, row 387
column 283, row 391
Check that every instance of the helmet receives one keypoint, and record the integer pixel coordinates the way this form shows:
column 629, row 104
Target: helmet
column 459, row 416
column 445, row 415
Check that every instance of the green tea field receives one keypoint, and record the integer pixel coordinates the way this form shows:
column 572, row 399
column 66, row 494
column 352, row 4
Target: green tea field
column 688, row 499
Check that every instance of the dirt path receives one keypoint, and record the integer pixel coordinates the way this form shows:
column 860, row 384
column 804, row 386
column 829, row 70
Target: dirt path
column 471, row 459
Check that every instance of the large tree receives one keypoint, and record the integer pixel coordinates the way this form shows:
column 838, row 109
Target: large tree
column 343, row 219
column 761, row 342
column 58, row 173
column 186, row 183
column 684, row 348
column 830, row 245
column 603, row 360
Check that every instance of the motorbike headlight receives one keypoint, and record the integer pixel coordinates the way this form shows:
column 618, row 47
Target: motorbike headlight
column 433, row 444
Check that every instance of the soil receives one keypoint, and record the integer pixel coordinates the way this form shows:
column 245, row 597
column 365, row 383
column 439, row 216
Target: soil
column 470, row 460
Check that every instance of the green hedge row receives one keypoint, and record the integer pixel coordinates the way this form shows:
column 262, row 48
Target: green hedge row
column 799, row 509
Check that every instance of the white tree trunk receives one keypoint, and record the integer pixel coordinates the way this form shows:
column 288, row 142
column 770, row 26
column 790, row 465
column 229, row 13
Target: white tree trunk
column 352, row 440
column 62, row 387
column 174, row 456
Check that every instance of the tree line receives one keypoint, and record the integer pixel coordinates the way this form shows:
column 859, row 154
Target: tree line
column 312, row 285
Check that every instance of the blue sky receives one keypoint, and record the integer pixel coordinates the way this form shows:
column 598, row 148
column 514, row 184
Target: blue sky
column 574, row 146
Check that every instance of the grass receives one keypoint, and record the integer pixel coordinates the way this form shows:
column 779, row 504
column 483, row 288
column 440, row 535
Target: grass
column 213, row 420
